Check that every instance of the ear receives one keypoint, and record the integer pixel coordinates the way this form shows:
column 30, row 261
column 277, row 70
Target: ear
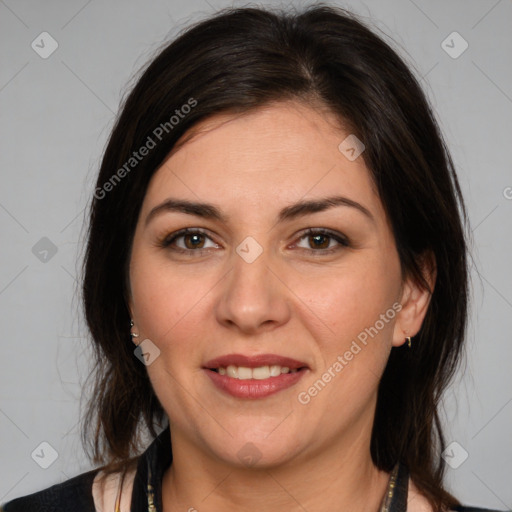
column 415, row 299
column 128, row 298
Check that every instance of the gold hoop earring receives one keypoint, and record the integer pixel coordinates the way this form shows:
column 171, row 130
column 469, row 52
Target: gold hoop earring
column 408, row 338
column 133, row 334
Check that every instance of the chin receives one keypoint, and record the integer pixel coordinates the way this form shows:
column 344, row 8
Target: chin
column 258, row 451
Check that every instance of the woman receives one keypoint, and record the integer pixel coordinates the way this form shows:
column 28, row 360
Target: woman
column 278, row 228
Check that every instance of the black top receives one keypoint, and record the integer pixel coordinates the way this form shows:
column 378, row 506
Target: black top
column 75, row 494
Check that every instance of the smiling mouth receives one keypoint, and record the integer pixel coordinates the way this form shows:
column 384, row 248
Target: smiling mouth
column 257, row 373
column 257, row 382
column 260, row 366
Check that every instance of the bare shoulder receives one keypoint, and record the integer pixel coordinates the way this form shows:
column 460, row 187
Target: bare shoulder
column 416, row 502
column 106, row 488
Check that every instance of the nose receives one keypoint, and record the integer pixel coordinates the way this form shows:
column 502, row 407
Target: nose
column 253, row 297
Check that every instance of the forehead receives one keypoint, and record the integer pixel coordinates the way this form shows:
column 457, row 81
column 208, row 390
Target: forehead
column 275, row 154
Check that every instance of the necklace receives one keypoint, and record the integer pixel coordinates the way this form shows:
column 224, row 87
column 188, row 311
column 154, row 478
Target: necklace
column 390, row 492
column 385, row 506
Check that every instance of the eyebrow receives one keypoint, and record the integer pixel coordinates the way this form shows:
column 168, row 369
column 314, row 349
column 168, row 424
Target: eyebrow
column 290, row 212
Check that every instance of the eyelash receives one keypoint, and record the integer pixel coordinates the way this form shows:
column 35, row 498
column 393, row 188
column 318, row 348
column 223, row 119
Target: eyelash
column 168, row 240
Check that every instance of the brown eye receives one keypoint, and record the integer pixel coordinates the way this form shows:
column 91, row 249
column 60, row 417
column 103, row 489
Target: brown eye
column 321, row 241
column 188, row 241
column 193, row 240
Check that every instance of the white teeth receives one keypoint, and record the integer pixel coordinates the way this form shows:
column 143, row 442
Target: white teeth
column 275, row 370
column 259, row 373
column 232, row 371
column 244, row 373
column 263, row 372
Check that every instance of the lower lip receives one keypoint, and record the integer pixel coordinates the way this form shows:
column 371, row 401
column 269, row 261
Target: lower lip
column 253, row 388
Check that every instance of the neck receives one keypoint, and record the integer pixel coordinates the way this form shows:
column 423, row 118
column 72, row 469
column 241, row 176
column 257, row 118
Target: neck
column 342, row 477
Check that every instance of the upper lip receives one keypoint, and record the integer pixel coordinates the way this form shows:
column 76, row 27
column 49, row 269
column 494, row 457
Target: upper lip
column 254, row 361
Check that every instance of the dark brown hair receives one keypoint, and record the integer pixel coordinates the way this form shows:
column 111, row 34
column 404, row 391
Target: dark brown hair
column 242, row 59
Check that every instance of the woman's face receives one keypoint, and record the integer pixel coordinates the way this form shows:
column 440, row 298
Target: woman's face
column 248, row 292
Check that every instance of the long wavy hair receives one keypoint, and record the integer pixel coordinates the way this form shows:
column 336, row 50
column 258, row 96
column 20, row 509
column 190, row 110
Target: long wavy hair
column 233, row 62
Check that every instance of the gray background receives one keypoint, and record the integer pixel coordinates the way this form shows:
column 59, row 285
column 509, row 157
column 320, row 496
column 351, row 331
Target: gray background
column 56, row 115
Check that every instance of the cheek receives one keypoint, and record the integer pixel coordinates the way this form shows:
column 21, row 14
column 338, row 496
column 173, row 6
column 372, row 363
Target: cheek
column 355, row 348
column 167, row 305
column 351, row 299
column 164, row 296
